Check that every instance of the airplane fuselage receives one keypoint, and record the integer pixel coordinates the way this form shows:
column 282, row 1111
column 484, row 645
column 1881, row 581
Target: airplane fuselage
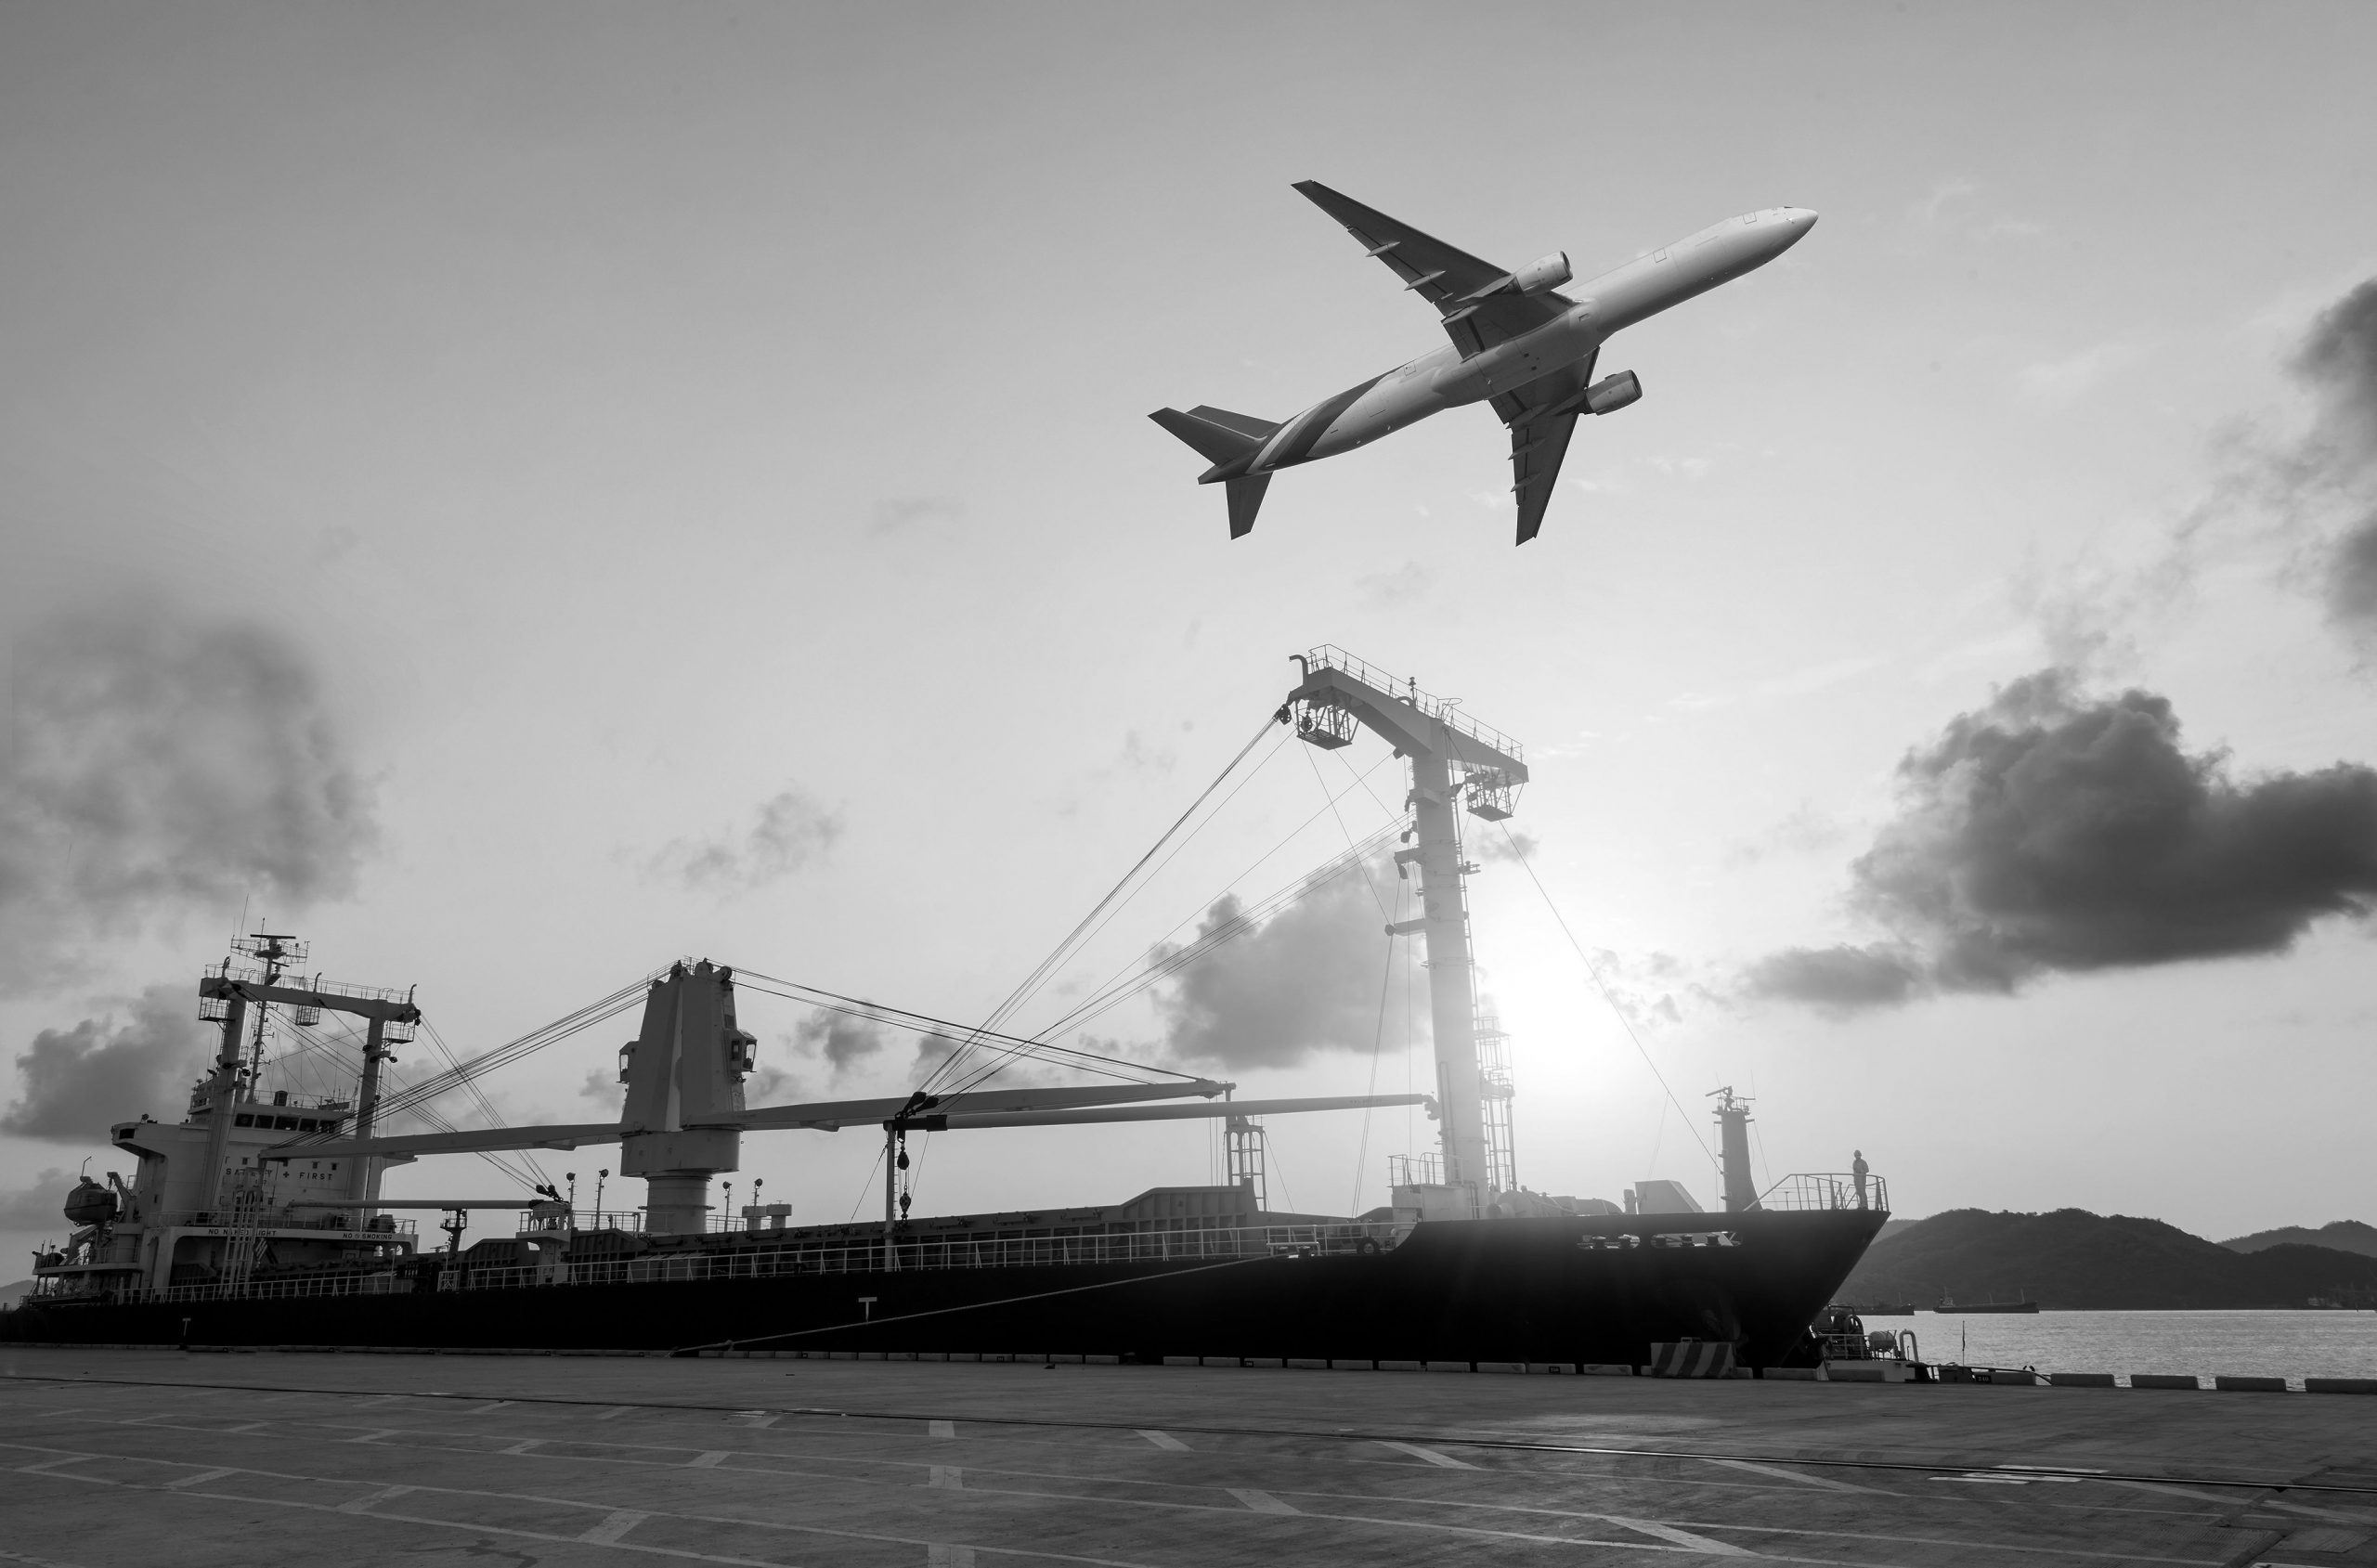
column 1442, row 378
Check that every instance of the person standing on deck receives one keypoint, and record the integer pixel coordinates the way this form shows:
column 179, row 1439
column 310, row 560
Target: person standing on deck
column 1857, row 1174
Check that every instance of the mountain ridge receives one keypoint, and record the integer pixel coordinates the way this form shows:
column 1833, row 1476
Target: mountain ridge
column 2072, row 1259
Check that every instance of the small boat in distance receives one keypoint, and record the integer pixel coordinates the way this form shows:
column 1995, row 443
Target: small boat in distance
column 2020, row 1304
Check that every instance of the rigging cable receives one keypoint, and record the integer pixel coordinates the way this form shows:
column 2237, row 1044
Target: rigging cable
column 1620, row 1013
column 1378, row 1039
column 1040, row 974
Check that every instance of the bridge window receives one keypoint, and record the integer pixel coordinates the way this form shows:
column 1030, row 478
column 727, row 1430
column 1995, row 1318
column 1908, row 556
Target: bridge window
column 244, row 1120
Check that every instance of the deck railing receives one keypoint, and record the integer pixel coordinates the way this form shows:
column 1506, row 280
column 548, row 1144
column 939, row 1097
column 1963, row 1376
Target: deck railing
column 1826, row 1189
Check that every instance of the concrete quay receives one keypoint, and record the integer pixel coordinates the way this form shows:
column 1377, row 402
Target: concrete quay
column 111, row 1459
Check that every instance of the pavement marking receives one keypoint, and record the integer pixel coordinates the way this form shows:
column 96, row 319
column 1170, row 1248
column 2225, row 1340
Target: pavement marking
column 1987, row 1479
column 46, row 1563
column 491, row 1405
column 2349, row 1516
column 363, row 1504
column 709, row 1461
column 942, row 1429
column 380, row 1399
column 1167, row 1441
column 615, row 1412
column 1262, row 1502
column 2326, row 1537
column 1777, row 1470
column 941, row 1554
column 1680, row 1538
column 756, row 1418
column 372, row 1436
column 612, row 1527
column 1442, row 1461
column 525, row 1445
column 484, row 1529
column 947, row 1478
column 201, row 1477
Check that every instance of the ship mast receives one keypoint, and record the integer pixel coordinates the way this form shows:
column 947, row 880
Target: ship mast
column 1454, row 760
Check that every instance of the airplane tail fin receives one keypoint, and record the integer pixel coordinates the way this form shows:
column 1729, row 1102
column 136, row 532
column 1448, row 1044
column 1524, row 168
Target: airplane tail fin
column 1228, row 441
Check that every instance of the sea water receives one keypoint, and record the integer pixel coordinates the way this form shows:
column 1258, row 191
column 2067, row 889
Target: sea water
column 2254, row 1345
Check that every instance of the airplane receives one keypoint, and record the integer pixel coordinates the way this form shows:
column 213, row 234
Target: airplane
column 1517, row 344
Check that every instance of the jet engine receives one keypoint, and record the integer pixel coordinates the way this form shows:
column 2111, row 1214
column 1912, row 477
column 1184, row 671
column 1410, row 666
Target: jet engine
column 1613, row 393
column 1544, row 272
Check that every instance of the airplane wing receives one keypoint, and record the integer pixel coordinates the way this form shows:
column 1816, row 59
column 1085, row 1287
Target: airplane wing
column 1441, row 274
column 1542, row 415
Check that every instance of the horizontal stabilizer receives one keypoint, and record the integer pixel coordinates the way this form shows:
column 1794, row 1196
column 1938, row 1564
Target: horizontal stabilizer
column 1218, row 436
column 1245, row 501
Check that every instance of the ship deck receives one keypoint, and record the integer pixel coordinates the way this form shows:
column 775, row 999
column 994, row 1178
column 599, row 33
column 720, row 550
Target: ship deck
column 113, row 1458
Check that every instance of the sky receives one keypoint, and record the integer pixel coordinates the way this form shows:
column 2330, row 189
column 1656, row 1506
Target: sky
column 520, row 495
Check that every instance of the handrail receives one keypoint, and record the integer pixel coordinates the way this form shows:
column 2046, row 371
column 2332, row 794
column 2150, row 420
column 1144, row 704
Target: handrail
column 1444, row 710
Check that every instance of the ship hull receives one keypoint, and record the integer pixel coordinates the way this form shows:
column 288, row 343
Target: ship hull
column 1543, row 1290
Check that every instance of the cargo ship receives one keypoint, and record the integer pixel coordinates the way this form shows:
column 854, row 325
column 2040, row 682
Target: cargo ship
column 259, row 1220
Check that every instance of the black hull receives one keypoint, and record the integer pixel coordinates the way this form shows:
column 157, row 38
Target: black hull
column 1500, row 1290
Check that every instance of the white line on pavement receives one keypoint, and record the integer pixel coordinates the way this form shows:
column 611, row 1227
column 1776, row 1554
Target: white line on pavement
column 1442, row 1461
column 1165, row 1440
column 1680, row 1538
column 1262, row 1502
column 1825, row 1481
column 612, row 1527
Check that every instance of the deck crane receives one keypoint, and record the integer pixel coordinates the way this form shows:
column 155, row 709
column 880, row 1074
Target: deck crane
column 1455, row 762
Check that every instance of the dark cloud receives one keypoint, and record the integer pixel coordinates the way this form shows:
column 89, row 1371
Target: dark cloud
column 2339, row 359
column 2052, row 833
column 1840, row 979
column 2352, row 576
column 78, row 1081
column 159, row 764
column 842, row 1041
column 1304, row 982
column 791, row 831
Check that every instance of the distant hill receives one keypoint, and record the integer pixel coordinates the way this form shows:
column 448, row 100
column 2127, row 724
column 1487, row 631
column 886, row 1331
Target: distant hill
column 2343, row 1235
column 2073, row 1259
column 11, row 1294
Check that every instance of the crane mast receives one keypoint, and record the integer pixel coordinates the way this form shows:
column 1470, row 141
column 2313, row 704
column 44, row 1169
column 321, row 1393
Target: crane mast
column 1455, row 762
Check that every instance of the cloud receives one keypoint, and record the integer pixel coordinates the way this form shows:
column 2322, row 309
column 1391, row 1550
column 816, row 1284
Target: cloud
column 1303, row 982
column 844, row 1042
column 2064, row 380
column 1516, row 847
column 2052, row 833
column 160, row 764
column 895, row 513
column 2338, row 358
column 1841, row 979
column 1406, row 585
column 2352, row 576
column 791, row 831
column 41, row 1206
column 77, row 1082
column 1805, row 831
